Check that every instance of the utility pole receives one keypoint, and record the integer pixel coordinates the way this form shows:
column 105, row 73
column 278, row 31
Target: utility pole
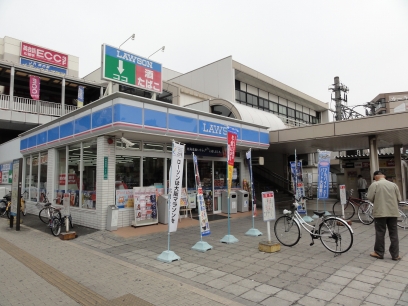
column 339, row 100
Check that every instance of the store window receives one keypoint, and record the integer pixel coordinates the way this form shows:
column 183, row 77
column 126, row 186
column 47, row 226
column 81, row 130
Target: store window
column 291, row 113
column 283, row 110
column 306, row 118
column 81, row 185
column 43, row 175
column 121, row 145
column 60, row 186
column 273, row 107
column 127, row 172
column 158, row 147
column 34, row 179
column 89, row 175
column 220, row 175
column 153, row 171
column 74, row 158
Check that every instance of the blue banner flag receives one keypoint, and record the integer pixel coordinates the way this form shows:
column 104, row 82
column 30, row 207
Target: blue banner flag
column 324, row 175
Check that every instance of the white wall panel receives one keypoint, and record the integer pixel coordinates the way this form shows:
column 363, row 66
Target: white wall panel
column 263, row 94
column 291, row 104
column 188, row 99
column 283, row 101
column 226, row 79
column 211, row 74
column 252, row 90
column 10, row 150
column 273, row 98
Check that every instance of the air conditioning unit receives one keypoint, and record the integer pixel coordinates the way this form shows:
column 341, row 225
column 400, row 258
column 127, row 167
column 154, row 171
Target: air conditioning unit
column 258, row 161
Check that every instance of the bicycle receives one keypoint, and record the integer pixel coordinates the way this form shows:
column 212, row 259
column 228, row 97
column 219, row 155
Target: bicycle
column 57, row 222
column 334, row 233
column 309, row 191
column 47, row 211
column 365, row 214
column 5, row 205
column 349, row 207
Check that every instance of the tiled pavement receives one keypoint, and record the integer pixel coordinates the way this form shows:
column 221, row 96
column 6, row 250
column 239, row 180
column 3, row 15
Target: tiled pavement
column 112, row 266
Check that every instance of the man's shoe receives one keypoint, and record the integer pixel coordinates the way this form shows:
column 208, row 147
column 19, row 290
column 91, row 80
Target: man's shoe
column 375, row 255
column 397, row 258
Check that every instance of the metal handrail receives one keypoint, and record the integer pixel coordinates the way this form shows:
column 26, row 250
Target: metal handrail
column 40, row 107
column 292, row 122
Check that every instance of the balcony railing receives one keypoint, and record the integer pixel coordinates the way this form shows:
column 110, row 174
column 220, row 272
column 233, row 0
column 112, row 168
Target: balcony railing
column 26, row 105
column 292, row 122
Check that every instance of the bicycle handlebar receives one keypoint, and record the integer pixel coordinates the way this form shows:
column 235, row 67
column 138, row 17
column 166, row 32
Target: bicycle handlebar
column 301, row 198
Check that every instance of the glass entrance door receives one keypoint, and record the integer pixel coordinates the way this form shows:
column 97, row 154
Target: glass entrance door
column 205, row 171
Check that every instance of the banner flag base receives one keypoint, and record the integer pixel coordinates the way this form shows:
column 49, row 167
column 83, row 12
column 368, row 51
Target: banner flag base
column 315, row 217
column 168, row 256
column 253, row 232
column 229, row 239
column 327, row 213
column 202, row 246
column 307, row 219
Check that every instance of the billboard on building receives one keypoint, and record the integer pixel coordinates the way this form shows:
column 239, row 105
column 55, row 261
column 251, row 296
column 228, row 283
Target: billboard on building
column 43, row 55
column 130, row 69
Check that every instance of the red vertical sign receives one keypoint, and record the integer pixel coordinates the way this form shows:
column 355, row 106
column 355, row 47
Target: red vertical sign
column 231, row 145
column 35, row 87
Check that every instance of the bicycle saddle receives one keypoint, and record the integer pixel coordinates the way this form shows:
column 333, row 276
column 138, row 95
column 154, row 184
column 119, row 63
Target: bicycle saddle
column 319, row 213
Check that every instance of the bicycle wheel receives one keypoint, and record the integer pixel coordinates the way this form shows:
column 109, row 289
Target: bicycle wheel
column 56, row 213
column 349, row 210
column 335, row 235
column 402, row 220
column 55, row 226
column 44, row 215
column 3, row 208
column 365, row 213
column 287, row 231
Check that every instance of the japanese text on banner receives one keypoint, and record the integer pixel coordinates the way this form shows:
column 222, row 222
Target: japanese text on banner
column 176, row 180
column 324, row 175
column 202, row 211
column 231, row 145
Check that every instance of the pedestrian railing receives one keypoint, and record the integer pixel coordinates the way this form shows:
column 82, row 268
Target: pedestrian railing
column 40, row 107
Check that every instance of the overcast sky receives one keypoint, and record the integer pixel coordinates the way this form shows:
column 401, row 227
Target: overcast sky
column 303, row 44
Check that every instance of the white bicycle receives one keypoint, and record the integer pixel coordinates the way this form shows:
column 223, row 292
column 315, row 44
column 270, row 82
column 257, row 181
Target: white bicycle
column 334, row 233
column 365, row 214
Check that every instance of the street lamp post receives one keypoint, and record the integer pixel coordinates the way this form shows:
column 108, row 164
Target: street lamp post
column 162, row 48
column 131, row 37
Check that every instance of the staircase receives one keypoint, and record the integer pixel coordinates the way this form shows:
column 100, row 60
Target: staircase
column 265, row 180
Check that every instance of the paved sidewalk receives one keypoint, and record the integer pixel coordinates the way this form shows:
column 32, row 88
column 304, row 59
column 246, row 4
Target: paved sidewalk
column 112, row 266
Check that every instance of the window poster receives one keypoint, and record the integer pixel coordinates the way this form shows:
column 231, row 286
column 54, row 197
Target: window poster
column 124, row 198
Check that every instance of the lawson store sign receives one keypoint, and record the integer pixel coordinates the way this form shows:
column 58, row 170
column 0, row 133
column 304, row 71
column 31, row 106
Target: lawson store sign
column 142, row 117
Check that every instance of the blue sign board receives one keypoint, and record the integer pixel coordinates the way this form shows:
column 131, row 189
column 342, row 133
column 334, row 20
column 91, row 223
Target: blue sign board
column 43, row 66
column 324, row 175
column 81, row 94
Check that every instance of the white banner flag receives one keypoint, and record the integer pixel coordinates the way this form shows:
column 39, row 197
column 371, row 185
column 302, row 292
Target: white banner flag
column 176, row 180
